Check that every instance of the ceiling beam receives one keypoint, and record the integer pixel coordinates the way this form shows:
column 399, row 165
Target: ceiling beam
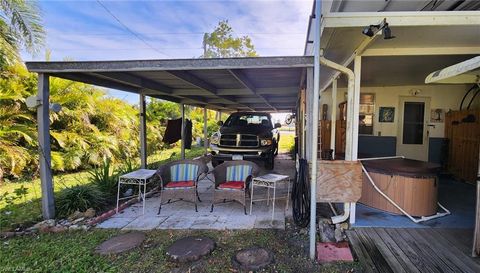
column 130, row 79
column 171, row 64
column 245, row 81
column 195, row 81
column 98, row 81
column 475, row 50
column 401, row 18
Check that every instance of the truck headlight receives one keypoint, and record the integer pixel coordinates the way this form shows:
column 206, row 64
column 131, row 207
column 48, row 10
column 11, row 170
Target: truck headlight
column 265, row 142
column 215, row 139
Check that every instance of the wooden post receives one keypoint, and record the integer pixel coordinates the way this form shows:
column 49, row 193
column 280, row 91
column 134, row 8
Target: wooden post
column 182, row 133
column 205, row 130
column 43, row 119
column 143, row 133
column 476, row 232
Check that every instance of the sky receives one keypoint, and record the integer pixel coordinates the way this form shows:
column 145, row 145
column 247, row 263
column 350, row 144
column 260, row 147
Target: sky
column 166, row 29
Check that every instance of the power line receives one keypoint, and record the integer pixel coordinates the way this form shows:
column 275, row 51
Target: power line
column 129, row 30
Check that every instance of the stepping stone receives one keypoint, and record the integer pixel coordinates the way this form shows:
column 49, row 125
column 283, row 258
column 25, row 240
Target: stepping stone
column 190, row 248
column 252, row 259
column 120, row 243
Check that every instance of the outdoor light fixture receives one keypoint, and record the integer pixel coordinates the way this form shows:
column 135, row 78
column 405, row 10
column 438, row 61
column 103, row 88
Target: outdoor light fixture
column 372, row 30
column 34, row 102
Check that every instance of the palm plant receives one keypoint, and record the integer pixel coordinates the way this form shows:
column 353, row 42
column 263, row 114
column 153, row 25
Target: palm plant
column 20, row 25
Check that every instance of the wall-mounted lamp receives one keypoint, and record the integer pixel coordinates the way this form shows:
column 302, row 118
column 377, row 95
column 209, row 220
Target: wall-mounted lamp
column 34, row 102
column 372, row 30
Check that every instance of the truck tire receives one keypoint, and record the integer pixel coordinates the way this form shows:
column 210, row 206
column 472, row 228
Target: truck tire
column 270, row 161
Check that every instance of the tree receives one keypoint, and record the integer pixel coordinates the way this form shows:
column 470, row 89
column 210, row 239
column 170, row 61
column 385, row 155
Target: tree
column 222, row 44
column 20, row 26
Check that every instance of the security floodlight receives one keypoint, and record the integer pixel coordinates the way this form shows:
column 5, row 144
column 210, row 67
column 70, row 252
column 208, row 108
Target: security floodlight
column 55, row 107
column 372, row 30
column 387, row 33
column 34, row 102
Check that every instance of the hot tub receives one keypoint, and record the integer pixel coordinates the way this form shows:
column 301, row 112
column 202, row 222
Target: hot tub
column 412, row 184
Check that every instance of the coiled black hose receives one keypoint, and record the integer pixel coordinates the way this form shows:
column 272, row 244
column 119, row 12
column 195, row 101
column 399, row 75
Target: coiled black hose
column 301, row 195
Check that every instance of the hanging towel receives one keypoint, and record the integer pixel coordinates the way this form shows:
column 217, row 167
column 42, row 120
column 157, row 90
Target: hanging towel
column 173, row 132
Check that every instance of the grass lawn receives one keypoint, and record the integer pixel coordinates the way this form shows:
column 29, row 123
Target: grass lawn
column 26, row 210
column 74, row 252
column 287, row 142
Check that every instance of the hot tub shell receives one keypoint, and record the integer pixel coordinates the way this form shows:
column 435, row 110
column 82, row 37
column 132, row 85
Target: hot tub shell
column 409, row 183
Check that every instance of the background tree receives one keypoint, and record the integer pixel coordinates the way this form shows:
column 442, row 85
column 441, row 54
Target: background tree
column 20, row 26
column 221, row 43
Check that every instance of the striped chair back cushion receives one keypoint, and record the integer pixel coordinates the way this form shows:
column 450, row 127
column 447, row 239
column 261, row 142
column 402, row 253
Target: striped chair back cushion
column 183, row 172
column 238, row 172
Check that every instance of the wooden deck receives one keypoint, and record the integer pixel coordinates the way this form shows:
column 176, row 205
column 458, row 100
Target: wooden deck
column 414, row 249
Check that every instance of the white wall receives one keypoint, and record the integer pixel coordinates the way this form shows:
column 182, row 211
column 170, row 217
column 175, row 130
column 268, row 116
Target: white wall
column 445, row 97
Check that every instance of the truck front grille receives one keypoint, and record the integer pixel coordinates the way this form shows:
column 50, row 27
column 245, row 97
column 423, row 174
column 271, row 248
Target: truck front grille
column 238, row 140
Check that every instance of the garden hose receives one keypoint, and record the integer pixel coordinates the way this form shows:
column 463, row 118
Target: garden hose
column 301, row 195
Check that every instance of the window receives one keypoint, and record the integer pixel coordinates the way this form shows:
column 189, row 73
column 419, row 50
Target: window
column 366, row 112
column 248, row 119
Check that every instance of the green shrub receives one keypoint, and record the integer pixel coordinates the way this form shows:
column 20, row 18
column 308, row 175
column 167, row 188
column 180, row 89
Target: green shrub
column 81, row 198
column 105, row 178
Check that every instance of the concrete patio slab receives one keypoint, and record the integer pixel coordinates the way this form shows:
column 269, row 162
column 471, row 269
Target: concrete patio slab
column 118, row 222
column 229, row 215
column 145, row 223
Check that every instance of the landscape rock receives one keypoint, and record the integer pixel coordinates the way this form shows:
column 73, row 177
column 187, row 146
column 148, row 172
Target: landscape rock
column 339, row 237
column 89, row 213
column 44, row 226
column 76, row 221
column 58, row 228
column 77, row 214
column 326, row 231
column 73, row 227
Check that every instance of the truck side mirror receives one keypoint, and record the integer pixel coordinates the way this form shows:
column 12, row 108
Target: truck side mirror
column 220, row 123
column 278, row 125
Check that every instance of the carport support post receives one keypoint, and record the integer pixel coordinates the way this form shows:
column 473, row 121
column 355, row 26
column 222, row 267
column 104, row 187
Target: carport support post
column 182, row 133
column 316, row 98
column 357, row 70
column 43, row 120
column 143, row 133
column 333, row 118
column 205, row 130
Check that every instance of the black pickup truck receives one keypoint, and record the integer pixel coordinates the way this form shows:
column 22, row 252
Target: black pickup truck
column 246, row 135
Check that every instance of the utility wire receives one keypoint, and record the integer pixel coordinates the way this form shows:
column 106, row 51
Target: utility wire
column 129, row 30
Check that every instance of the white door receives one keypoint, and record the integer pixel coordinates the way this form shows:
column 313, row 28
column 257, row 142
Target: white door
column 413, row 118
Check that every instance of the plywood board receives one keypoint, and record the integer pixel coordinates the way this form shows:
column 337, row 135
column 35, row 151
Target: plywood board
column 339, row 181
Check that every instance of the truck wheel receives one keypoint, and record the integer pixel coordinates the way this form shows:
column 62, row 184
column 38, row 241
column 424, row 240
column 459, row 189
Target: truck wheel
column 270, row 161
column 276, row 148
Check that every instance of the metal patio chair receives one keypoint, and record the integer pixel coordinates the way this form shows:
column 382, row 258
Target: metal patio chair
column 232, row 180
column 179, row 180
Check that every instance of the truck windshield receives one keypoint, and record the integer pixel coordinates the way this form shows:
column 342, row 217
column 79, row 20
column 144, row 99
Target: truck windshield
column 248, row 119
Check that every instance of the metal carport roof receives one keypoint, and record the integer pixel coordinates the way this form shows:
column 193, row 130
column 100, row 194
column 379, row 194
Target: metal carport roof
column 228, row 84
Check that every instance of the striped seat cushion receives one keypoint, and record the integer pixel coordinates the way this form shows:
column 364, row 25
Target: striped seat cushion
column 180, row 184
column 183, row 172
column 234, row 185
column 238, row 172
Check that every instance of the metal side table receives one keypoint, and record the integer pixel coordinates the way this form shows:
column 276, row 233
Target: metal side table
column 139, row 177
column 270, row 181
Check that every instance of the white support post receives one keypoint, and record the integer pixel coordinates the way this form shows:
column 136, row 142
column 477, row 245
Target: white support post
column 333, row 118
column 43, row 120
column 314, row 148
column 205, row 130
column 182, row 133
column 357, row 70
column 143, row 133
column 309, row 113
